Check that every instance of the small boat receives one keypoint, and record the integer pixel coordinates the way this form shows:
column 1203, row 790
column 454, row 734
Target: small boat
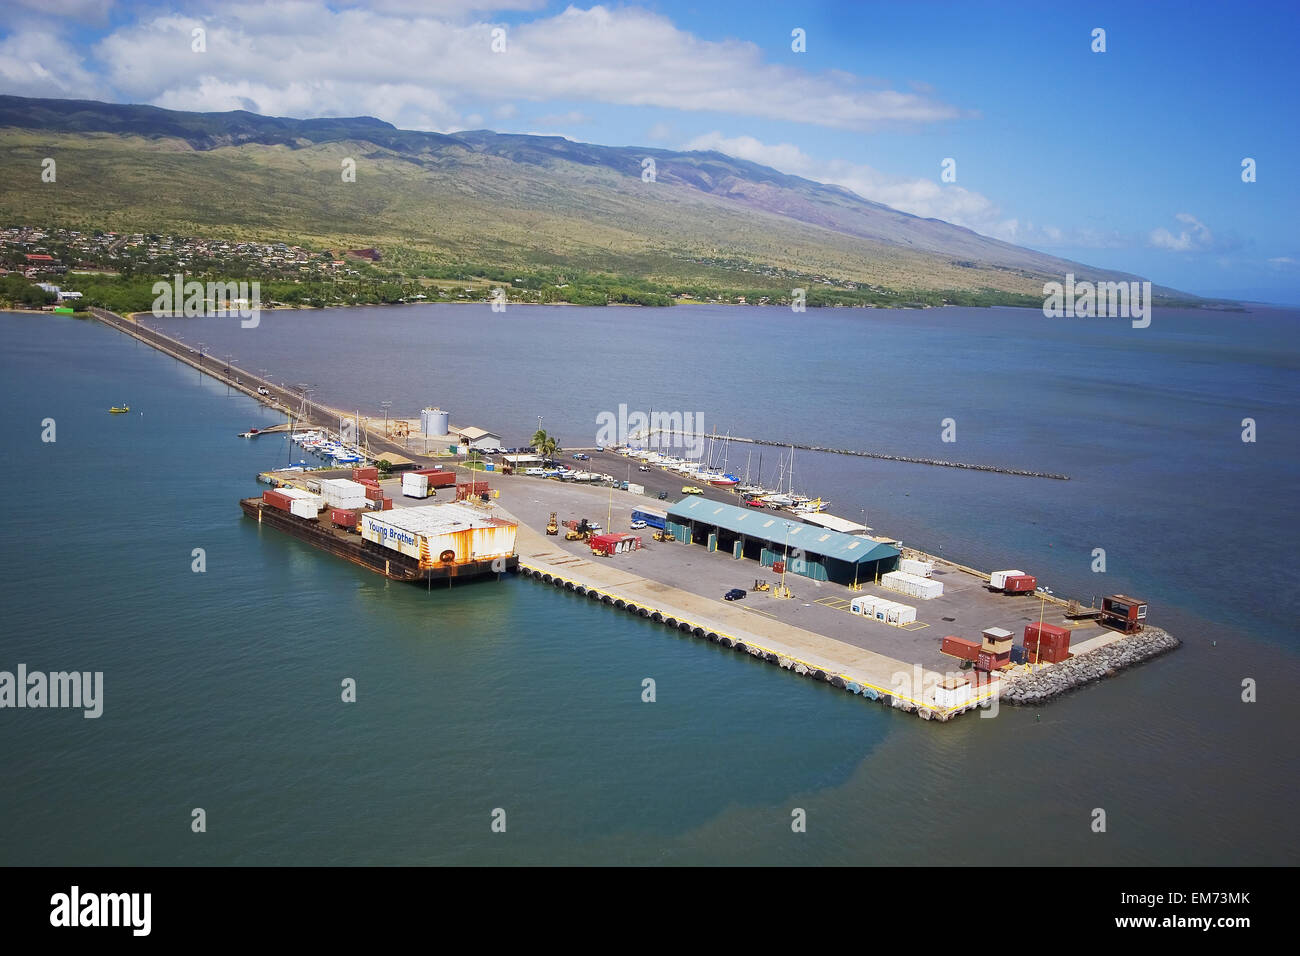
column 119, row 409
column 723, row 480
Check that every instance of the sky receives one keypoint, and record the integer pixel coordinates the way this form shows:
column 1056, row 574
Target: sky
column 1129, row 158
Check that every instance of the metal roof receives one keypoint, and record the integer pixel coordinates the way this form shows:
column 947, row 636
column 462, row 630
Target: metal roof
column 435, row 520
column 835, row 523
column 773, row 528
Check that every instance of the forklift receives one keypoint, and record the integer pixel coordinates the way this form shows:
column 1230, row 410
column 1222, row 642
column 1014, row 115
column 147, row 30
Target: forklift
column 552, row 526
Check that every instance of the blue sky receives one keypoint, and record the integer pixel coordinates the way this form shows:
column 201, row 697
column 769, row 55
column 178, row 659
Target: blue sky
column 1128, row 159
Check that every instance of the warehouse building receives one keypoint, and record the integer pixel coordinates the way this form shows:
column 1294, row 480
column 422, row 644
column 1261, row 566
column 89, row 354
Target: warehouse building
column 817, row 553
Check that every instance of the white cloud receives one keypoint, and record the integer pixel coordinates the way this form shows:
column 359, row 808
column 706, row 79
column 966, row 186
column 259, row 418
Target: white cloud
column 37, row 63
column 303, row 57
column 1194, row 237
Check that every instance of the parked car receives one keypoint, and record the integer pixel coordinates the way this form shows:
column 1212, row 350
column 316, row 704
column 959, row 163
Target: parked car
column 735, row 594
column 581, row 457
column 643, row 468
column 663, row 496
column 755, row 503
column 692, row 490
column 638, row 525
column 262, row 390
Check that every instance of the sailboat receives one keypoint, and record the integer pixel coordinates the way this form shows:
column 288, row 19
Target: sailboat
column 779, row 498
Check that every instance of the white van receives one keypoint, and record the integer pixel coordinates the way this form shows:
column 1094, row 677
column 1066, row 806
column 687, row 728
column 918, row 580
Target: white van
column 535, row 472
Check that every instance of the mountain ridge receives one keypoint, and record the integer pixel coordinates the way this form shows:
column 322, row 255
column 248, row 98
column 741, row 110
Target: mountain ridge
column 463, row 195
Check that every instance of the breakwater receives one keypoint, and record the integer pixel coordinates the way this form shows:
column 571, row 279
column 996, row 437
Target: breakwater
column 1095, row 665
column 882, row 456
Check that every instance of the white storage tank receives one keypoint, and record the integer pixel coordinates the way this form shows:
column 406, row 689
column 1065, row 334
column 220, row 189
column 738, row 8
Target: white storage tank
column 434, row 421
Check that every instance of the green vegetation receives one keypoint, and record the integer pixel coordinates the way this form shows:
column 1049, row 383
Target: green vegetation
column 543, row 218
column 18, row 292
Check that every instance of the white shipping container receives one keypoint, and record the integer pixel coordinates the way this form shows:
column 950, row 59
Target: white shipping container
column 303, row 508
column 862, row 605
column 415, row 486
column 636, row 489
column 906, row 614
column 999, row 578
column 915, row 566
column 342, row 493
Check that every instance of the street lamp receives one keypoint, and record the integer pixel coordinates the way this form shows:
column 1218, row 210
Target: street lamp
column 385, row 406
column 785, row 559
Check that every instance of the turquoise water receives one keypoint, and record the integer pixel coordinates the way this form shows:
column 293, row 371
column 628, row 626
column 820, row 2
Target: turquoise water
column 222, row 688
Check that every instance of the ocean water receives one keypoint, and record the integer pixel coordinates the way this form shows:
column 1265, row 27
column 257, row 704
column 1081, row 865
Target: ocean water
column 222, row 688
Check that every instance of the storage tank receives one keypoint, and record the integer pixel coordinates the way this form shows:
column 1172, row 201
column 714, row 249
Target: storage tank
column 434, row 421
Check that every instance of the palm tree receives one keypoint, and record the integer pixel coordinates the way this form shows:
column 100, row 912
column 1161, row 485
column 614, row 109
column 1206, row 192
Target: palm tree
column 552, row 447
column 539, row 441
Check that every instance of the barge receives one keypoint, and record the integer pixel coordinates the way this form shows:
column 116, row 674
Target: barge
column 443, row 542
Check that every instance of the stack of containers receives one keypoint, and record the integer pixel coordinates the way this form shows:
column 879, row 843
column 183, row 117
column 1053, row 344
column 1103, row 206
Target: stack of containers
column 343, row 494
column 1047, row 642
column 912, row 585
column 915, row 566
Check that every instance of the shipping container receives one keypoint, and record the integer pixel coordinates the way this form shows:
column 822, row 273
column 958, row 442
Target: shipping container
column 916, row 566
column 1123, row 613
column 778, row 567
column 614, row 543
column 1019, row 583
column 343, row 519
column 998, row 579
column 1047, row 642
column 992, row 662
column 342, row 493
column 912, row 585
column 277, row 499
column 438, row 478
column 961, row 647
column 388, row 504
column 367, row 472
column 303, row 508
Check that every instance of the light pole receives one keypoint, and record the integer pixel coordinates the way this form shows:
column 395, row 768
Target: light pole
column 385, row 406
column 785, row 560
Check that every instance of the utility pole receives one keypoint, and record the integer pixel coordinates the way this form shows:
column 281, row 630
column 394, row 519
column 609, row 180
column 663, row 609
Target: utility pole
column 385, row 406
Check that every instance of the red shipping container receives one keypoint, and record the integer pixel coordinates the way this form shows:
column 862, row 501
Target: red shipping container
column 369, row 482
column 343, row 518
column 1020, row 584
column 277, row 499
column 360, row 473
column 440, row 479
column 992, row 662
column 432, row 471
column 388, row 504
column 961, row 647
column 778, row 567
